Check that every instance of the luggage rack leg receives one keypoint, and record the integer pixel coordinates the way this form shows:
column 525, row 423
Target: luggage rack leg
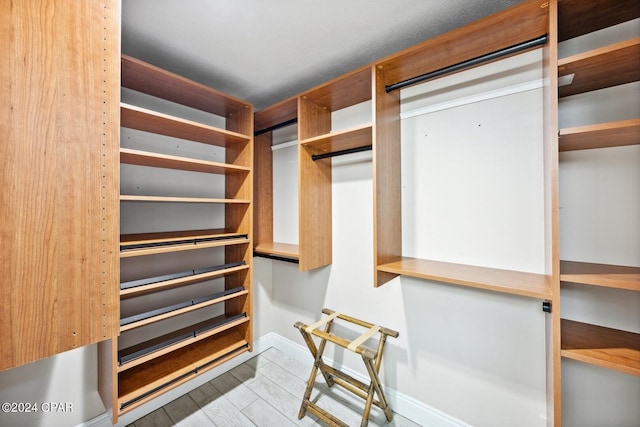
column 372, row 360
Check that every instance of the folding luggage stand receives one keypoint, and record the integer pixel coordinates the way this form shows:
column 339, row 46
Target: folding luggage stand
column 371, row 358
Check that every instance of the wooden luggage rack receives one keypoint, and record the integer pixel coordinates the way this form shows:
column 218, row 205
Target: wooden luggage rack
column 371, row 358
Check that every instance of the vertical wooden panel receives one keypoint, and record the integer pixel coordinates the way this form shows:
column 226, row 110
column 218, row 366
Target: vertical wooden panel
column 263, row 189
column 387, row 220
column 314, row 190
column 59, row 133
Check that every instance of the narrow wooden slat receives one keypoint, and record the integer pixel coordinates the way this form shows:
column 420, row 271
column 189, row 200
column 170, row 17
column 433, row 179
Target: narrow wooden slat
column 506, row 281
column 354, row 137
column 134, row 198
column 600, row 346
column 593, row 70
column 139, row 118
column 143, row 77
column 183, row 247
column 611, row 276
column 145, row 158
column 170, row 236
column 579, row 17
column 602, row 135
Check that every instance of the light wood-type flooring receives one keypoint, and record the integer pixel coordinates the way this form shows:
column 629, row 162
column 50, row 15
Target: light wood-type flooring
column 264, row 391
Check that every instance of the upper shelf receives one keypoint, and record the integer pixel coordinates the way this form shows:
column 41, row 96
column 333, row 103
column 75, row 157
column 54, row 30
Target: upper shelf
column 144, row 158
column 346, row 139
column 350, row 89
column 142, row 77
column 285, row 250
column 605, row 347
column 612, row 276
column 138, row 118
column 579, row 17
column 602, row 135
column 600, row 68
column 507, row 281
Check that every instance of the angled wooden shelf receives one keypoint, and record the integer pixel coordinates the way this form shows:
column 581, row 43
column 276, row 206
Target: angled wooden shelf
column 156, row 160
column 602, row 135
column 600, row 346
column 354, row 137
column 217, row 325
column 146, row 78
column 145, row 381
column 138, row 118
column 171, row 199
column 181, row 281
column 286, row 250
column 593, row 70
column 611, row 276
column 166, row 242
column 506, row 281
column 579, row 17
column 177, row 312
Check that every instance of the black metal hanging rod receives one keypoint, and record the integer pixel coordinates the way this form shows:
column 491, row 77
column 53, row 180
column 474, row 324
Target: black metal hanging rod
column 315, row 157
column 469, row 63
column 277, row 126
column 276, row 257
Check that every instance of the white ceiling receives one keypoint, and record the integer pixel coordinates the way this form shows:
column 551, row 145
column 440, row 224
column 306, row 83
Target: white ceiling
column 265, row 51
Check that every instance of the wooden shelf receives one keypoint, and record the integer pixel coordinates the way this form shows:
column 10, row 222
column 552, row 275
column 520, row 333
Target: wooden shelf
column 286, row 250
column 144, row 158
column 347, row 90
column 593, row 70
column 165, row 242
column 182, row 281
column 355, row 137
column 613, row 134
column 170, row 199
column 146, row 78
column 139, row 118
column 505, row 281
column 579, row 17
column 177, row 312
column 223, row 325
column 611, row 276
column 160, row 374
column 605, row 347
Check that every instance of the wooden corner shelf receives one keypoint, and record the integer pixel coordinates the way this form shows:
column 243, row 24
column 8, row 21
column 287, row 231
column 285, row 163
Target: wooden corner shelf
column 146, row 78
column 602, row 135
column 506, row 281
column 156, row 160
column 600, row 346
column 579, row 17
column 285, row 250
column 611, row 276
column 145, row 120
column 593, row 70
column 354, row 137
column 167, row 371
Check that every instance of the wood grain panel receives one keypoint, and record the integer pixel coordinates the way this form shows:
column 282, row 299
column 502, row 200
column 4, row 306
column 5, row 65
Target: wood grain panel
column 263, row 185
column 613, row 134
column 59, row 128
column 579, row 17
column 276, row 114
column 611, row 276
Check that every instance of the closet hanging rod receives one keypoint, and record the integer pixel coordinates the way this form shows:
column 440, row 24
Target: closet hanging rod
column 276, row 257
column 276, row 126
column 469, row 63
column 315, row 157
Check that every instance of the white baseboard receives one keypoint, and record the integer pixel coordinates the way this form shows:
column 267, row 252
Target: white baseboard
column 402, row 404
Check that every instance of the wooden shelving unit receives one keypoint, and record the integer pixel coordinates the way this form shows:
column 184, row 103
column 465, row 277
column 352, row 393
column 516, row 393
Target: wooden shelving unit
column 132, row 376
column 604, row 67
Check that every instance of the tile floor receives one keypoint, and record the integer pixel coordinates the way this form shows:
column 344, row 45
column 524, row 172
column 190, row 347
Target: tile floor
column 264, row 391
